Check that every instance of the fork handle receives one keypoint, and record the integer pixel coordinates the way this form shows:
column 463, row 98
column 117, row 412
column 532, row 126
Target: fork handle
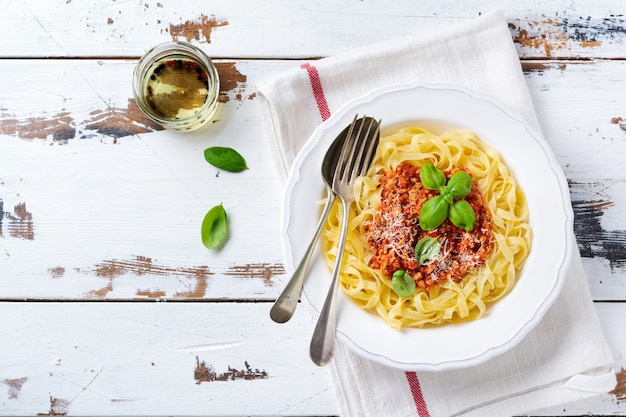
column 323, row 340
column 287, row 301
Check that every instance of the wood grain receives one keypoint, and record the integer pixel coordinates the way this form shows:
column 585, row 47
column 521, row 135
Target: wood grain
column 93, row 238
column 109, row 303
column 126, row 358
column 288, row 29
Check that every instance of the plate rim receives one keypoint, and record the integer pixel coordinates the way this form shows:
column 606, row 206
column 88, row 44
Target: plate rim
column 552, row 295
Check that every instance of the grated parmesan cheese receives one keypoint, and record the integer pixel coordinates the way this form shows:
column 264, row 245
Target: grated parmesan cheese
column 394, row 231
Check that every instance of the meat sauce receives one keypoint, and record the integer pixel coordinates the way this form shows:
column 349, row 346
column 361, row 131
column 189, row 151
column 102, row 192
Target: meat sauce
column 394, row 231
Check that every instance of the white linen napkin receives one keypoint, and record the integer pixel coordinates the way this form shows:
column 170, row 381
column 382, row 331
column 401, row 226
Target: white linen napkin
column 565, row 357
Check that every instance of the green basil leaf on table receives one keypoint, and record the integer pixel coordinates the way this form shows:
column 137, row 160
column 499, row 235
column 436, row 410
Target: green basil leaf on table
column 225, row 158
column 462, row 215
column 434, row 212
column 426, row 249
column 402, row 283
column 214, row 229
column 460, row 184
column 432, row 177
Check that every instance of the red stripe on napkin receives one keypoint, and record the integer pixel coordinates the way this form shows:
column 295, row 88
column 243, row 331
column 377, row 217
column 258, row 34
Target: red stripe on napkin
column 318, row 91
column 416, row 391
column 322, row 106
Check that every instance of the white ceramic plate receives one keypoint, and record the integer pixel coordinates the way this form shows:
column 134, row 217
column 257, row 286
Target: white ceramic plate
column 528, row 156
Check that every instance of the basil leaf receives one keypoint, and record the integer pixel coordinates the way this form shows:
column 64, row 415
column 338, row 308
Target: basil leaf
column 227, row 159
column 214, row 229
column 460, row 184
column 426, row 249
column 462, row 215
column 434, row 212
column 432, row 177
column 402, row 283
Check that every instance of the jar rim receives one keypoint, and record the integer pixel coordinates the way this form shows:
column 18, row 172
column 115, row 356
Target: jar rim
column 204, row 113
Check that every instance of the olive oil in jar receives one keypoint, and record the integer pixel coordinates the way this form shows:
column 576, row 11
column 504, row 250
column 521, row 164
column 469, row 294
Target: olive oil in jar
column 176, row 85
column 176, row 88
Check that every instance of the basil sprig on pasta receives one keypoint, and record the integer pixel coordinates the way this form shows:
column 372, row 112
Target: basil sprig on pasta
column 402, row 283
column 437, row 209
column 426, row 249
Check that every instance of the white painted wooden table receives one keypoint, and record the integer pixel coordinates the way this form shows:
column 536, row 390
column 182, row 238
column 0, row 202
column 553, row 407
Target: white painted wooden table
column 109, row 303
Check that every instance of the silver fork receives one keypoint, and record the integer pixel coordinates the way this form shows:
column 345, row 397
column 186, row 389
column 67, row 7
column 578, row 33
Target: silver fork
column 286, row 303
column 355, row 159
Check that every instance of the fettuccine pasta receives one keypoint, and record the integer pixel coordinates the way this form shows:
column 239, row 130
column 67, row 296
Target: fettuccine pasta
column 451, row 300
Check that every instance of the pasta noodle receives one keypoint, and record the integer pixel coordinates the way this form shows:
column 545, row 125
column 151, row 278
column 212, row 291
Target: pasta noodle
column 450, row 300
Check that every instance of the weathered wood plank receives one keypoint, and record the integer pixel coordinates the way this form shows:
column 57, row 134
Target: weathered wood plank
column 291, row 29
column 92, row 99
column 96, row 203
column 584, row 122
column 158, row 359
column 73, row 227
column 88, row 202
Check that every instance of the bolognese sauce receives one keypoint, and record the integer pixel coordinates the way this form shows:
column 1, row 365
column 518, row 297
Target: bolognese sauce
column 395, row 230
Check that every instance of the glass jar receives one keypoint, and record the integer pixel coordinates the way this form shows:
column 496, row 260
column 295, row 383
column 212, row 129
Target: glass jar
column 176, row 85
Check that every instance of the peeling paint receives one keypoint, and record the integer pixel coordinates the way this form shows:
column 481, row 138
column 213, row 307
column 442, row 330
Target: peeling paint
column 198, row 290
column 141, row 266
column 114, row 122
column 563, row 32
column 19, row 223
column 199, row 29
column 620, row 389
column 206, row 373
column 590, row 44
column 151, row 294
column 620, row 122
column 58, row 407
column 56, row 272
column 15, row 386
column 592, row 30
column 545, row 34
column 264, row 271
column 102, row 292
column 230, row 80
column 59, row 127
column 593, row 240
column 118, row 123
column 539, row 67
